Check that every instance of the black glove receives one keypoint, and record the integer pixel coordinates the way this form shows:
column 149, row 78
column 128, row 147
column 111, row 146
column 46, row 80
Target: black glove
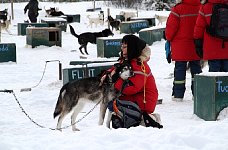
column 169, row 58
column 149, row 122
column 164, row 37
column 199, row 47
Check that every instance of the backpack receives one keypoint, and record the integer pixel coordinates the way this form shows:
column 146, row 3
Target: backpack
column 126, row 114
column 219, row 22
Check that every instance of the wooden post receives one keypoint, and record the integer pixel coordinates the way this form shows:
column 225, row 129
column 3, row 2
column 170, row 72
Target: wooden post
column 0, row 32
column 108, row 14
column 94, row 7
column 12, row 9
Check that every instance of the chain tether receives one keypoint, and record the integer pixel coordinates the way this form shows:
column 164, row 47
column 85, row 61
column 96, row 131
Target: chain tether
column 41, row 126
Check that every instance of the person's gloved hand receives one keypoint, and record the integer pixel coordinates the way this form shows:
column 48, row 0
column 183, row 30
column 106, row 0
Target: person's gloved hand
column 199, row 47
column 168, row 51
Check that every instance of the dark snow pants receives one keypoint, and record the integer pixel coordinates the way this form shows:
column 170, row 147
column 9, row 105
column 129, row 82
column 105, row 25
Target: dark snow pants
column 32, row 18
column 180, row 75
column 218, row 65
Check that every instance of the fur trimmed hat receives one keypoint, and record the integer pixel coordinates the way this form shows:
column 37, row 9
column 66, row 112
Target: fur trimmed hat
column 178, row 1
column 145, row 55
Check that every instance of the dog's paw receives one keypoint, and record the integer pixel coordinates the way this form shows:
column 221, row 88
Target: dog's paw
column 75, row 129
column 59, row 129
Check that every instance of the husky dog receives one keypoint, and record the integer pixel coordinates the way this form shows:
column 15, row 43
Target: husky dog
column 48, row 11
column 4, row 25
column 89, row 37
column 96, row 21
column 74, row 95
column 127, row 15
column 114, row 23
column 3, row 14
column 160, row 19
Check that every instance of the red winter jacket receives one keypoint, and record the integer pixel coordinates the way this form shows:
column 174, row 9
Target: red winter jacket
column 179, row 30
column 135, row 90
column 212, row 47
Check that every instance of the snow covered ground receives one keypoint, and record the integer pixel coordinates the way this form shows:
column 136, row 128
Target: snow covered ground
column 182, row 129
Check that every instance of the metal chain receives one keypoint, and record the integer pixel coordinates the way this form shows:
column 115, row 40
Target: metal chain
column 41, row 76
column 41, row 126
column 44, row 72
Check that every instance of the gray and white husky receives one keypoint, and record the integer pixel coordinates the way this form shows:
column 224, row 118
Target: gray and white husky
column 74, row 95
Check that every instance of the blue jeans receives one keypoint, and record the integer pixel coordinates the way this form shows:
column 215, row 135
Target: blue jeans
column 180, row 75
column 218, row 65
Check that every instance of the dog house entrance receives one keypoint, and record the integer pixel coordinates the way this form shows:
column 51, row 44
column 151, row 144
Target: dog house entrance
column 54, row 36
column 52, row 25
column 70, row 19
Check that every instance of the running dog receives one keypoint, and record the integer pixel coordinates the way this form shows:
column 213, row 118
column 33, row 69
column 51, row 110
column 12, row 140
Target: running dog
column 160, row 19
column 89, row 37
column 114, row 23
column 96, row 21
column 75, row 94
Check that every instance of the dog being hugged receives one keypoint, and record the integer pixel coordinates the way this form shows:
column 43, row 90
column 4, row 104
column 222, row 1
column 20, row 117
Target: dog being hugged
column 96, row 20
column 124, row 71
column 160, row 19
column 89, row 37
column 75, row 94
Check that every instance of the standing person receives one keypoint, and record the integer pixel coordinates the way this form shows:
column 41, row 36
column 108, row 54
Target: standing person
column 141, row 88
column 33, row 9
column 211, row 48
column 179, row 31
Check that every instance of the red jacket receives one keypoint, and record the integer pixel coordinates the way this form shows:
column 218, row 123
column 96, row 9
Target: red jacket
column 179, row 30
column 135, row 91
column 212, row 47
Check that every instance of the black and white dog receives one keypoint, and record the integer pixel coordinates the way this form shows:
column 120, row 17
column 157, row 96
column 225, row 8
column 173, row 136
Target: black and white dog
column 89, row 37
column 3, row 14
column 53, row 12
column 114, row 23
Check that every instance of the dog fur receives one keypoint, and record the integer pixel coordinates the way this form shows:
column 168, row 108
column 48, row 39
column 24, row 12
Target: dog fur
column 75, row 94
column 53, row 12
column 89, row 37
column 124, row 71
column 127, row 15
column 160, row 19
column 114, row 23
column 5, row 25
column 3, row 14
column 96, row 21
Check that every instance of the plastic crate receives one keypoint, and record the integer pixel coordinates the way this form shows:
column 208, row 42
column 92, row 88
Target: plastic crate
column 36, row 36
column 211, row 95
column 131, row 27
column 55, row 22
column 21, row 27
column 7, row 52
column 108, row 47
column 151, row 35
column 71, row 74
